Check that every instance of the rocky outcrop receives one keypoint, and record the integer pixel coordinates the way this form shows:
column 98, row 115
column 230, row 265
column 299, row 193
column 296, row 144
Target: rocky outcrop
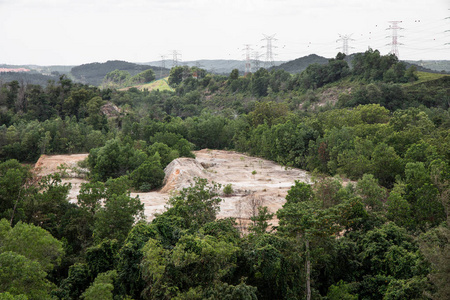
column 180, row 173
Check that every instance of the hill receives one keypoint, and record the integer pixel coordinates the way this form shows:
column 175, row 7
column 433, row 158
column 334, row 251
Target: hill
column 216, row 66
column 300, row 64
column 28, row 77
column 434, row 65
column 93, row 73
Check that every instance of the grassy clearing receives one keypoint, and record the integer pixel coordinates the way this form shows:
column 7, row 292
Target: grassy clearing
column 160, row 84
column 424, row 76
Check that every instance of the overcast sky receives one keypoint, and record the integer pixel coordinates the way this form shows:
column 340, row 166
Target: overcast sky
column 73, row 32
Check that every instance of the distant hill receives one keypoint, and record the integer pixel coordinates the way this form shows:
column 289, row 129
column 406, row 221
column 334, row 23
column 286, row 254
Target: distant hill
column 28, row 78
column 52, row 69
column 94, row 73
column 217, row 66
column 434, row 65
column 300, row 64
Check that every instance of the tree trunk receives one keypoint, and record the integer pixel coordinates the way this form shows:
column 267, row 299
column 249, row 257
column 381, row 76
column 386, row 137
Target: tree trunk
column 308, row 272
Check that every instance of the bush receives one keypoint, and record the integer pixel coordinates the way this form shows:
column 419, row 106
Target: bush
column 228, row 190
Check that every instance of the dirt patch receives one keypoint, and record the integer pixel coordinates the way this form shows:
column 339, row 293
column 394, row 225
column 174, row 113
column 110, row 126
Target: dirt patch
column 331, row 96
column 252, row 179
column 48, row 164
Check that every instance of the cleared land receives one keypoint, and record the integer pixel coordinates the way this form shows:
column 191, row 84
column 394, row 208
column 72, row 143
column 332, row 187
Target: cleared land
column 254, row 181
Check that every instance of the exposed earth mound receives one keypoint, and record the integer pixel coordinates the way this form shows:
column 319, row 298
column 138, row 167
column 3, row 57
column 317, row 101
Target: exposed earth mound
column 254, row 181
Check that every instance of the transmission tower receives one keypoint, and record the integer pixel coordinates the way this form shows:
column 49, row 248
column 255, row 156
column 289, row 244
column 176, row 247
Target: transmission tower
column 394, row 44
column 344, row 38
column 248, row 64
column 269, row 54
column 163, row 65
column 256, row 59
column 175, row 59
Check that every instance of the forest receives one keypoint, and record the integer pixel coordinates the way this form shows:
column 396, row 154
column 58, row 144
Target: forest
column 377, row 122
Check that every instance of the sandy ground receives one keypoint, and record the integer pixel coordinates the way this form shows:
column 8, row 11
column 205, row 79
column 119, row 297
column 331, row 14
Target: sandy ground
column 48, row 164
column 254, row 181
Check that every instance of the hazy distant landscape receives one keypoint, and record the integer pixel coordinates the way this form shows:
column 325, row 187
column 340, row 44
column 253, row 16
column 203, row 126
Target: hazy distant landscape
column 93, row 73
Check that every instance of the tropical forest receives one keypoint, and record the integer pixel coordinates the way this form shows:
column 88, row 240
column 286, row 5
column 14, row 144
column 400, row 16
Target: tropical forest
column 373, row 223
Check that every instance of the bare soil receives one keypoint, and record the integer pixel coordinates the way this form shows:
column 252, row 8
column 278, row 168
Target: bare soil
column 254, row 181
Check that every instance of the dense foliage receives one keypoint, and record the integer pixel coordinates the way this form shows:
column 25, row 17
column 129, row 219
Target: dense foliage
column 383, row 236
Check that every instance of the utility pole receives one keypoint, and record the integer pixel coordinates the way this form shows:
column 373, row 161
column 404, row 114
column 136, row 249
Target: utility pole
column 269, row 54
column 248, row 65
column 175, row 59
column 394, row 44
column 344, row 38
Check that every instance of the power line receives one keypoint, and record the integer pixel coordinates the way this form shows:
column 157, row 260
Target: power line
column 269, row 54
column 447, row 31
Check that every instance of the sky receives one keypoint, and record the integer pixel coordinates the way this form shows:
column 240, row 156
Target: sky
column 74, row 32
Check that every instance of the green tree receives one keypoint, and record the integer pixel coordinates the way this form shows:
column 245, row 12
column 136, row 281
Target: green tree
column 307, row 222
column 116, row 218
column 372, row 194
column 102, row 257
column 300, row 192
column 114, row 159
column 267, row 112
column 76, row 282
column 129, row 259
column 194, row 262
column 234, row 74
column 22, row 276
column 149, row 175
column 95, row 117
column 8, row 296
column 90, row 196
column 341, row 291
column 102, row 287
column 260, row 221
column 388, row 253
column 178, row 74
column 143, row 77
column 40, row 245
column 260, row 82
column 386, row 164
column 196, row 205
column 15, row 186
column 116, row 78
column 166, row 153
column 226, row 291
column 398, row 208
column 435, row 246
column 47, row 207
